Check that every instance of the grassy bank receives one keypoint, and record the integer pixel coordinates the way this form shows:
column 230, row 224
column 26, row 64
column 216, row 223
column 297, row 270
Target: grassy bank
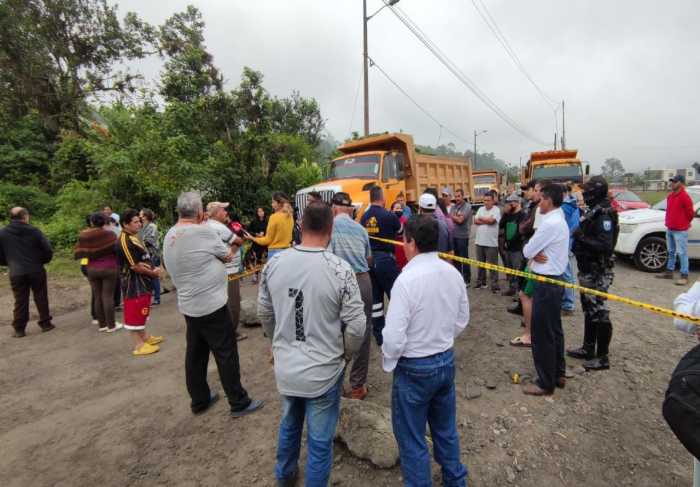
column 62, row 266
column 652, row 197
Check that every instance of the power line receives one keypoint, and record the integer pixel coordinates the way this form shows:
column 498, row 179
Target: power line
column 493, row 26
column 418, row 105
column 463, row 78
column 354, row 105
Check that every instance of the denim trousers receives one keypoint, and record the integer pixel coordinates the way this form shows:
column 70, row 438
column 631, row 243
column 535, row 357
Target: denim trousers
column 423, row 391
column 677, row 243
column 568, row 302
column 321, row 415
column 461, row 246
column 155, row 260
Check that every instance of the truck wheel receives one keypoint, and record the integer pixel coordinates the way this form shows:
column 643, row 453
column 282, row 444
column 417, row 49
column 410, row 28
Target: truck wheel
column 651, row 254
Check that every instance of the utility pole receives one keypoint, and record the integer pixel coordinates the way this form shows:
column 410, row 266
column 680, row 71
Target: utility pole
column 477, row 132
column 365, row 60
column 563, row 127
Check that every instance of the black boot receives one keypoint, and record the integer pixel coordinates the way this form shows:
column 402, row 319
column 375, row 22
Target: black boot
column 604, row 336
column 587, row 351
column 516, row 309
column 598, row 363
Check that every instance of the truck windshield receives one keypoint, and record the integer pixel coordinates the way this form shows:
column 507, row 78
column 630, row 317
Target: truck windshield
column 564, row 172
column 485, row 179
column 355, row 167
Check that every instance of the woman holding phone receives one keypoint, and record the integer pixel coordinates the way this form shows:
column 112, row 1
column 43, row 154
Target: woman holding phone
column 278, row 235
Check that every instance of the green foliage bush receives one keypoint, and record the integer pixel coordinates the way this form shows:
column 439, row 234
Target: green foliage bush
column 40, row 204
column 74, row 202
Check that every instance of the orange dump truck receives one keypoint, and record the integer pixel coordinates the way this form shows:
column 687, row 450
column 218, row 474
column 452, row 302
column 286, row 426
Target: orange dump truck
column 391, row 162
column 486, row 180
column 554, row 165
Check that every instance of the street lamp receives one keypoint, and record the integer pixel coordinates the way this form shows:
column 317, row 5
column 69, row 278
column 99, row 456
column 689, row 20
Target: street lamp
column 477, row 132
column 365, row 19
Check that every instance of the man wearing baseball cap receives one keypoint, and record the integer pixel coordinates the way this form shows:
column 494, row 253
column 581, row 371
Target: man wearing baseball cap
column 427, row 204
column 679, row 215
column 350, row 242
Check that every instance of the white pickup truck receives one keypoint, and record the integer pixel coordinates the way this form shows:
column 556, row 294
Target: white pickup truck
column 643, row 234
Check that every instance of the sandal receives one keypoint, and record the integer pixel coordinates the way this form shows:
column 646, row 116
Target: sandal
column 518, row 342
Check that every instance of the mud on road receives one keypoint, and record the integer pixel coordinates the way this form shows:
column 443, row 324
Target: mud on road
column 77, row 410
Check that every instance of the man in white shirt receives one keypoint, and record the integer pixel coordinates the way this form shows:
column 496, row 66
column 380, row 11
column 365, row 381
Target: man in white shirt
column 548, row 252
column 429, row 308
column 218, row 218
column 486, row 221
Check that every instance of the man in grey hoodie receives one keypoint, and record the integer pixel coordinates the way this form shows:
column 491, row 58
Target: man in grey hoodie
column 310, row 306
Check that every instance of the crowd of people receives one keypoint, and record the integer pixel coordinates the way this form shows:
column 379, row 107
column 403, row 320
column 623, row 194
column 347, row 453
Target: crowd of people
column 322, row 300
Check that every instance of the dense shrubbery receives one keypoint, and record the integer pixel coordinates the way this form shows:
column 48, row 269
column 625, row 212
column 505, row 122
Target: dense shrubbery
column 39, row 203
column 62, row 155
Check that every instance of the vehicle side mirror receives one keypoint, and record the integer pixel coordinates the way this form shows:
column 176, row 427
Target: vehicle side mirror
column 588, row 169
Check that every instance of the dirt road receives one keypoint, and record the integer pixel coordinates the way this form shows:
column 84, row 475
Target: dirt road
column 77, row 410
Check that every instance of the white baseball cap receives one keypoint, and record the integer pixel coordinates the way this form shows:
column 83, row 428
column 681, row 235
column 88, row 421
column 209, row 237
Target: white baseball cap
column 427, row 201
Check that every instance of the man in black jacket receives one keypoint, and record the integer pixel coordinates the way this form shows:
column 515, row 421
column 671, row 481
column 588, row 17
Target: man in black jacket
column 25, row 250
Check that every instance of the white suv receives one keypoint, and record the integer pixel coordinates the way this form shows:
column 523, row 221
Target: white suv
column 643, row 234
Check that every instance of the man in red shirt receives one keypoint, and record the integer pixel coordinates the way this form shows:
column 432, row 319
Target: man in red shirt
column 679, row 215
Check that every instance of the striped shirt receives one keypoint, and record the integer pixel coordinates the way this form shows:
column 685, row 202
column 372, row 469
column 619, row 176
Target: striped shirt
column 350, row 242
column 131, row 251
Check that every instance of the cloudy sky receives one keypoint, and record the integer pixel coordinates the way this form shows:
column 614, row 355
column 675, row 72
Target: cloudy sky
column 629, row 70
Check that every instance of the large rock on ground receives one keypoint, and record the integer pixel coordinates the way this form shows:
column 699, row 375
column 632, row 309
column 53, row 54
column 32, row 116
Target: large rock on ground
column 249, row 313
column 365, row 428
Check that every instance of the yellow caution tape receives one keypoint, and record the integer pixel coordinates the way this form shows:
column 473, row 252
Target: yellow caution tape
column 254, row 270
column 548, row 280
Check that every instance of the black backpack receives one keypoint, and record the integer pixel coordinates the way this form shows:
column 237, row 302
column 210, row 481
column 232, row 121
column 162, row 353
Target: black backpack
column 681, row 408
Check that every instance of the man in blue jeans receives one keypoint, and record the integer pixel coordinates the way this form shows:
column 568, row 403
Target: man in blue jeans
column 310, row 305
column 572, row 214
column 429, row 308
column 679, row 216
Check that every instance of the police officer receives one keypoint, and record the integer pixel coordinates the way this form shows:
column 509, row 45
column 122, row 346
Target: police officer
column 380, row 222
column 594, row 242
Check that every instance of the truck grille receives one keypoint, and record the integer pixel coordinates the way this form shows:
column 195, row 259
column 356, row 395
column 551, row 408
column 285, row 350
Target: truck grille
column 301, row 198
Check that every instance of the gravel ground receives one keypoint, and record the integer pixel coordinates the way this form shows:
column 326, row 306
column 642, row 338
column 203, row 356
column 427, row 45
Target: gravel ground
column 78, row 410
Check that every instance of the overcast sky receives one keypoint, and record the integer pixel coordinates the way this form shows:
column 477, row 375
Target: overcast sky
column 629, row 70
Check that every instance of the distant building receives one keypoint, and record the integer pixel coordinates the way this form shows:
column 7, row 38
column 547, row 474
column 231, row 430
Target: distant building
column 657, row 179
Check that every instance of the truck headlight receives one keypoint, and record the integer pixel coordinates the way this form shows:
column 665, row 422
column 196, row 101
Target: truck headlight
column 627, row 227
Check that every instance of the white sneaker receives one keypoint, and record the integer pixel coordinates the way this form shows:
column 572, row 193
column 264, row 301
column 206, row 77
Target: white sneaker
column 103, row 328
column 117, row 326
column 95, row 322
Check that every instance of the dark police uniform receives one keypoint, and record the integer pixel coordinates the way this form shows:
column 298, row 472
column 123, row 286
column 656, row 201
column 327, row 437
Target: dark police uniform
column 593, row 247
column 379, row 222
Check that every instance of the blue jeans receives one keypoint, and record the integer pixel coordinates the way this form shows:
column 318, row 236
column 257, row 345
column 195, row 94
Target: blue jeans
column 568, row 302
column 677, row 243
column 156, row 282
column 383, row 273
column 321, row 415
column 424, row 391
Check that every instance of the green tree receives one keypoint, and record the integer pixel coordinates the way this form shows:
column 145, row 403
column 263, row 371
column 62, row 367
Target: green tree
column 189, row 70
column 26, row 149
column 56, row 54
column 613, row 169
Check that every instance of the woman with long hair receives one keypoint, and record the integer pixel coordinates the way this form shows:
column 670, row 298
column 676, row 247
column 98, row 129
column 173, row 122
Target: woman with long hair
column 97, row 244
column 257, row 227
column 278, row 233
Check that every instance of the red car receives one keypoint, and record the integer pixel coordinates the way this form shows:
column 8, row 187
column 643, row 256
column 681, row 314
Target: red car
column 623, row 199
